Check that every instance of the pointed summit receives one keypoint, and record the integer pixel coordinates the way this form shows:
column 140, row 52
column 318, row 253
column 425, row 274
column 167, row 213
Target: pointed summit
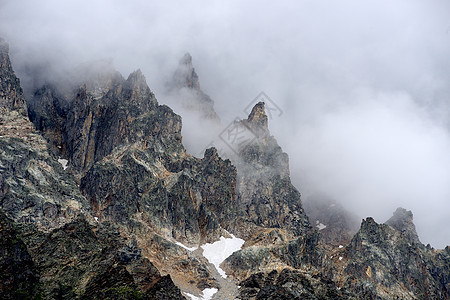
column 257, row 117
column 185, row 76
column 185, row 89
column 186, row 59
column 402, row 220
column 137, row 78
column 139, row 92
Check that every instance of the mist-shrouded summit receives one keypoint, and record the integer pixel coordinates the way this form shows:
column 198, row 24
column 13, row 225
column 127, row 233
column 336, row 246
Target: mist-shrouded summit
column 364, row 95
column 100, row 199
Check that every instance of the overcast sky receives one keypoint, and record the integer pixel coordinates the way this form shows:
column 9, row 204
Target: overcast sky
column 363, row 85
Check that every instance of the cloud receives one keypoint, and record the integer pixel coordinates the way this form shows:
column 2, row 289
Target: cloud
column 363, row 85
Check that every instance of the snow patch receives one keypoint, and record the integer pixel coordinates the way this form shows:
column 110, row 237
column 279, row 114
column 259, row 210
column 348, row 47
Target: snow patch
column 340, row 257
column 340, row 246
column 186, row 247
column 96, row 219
column 217, row 252
column 206, row 294
column 63, row 162
column 321, row 226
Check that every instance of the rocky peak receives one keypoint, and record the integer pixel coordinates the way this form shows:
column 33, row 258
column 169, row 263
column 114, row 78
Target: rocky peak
column 263, row 152
column 137, row 79
column 185, row 76
column 11, row 93
column 140, row 92
column 257, row 119
column 402, row 220
column 186, row 95
column 381, row 262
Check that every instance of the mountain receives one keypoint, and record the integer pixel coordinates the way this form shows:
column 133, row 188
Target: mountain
column 99, row 199
column 52, row 247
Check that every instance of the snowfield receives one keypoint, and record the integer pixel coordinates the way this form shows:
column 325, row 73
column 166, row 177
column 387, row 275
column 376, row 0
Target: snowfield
column 217, row 252
column 207, row 294
column 63, row 162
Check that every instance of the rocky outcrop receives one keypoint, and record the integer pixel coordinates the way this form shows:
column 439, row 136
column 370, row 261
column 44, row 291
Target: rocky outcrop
column 389, row 263
column 88, row 124
column 268, row 198
column 402, row 220
column 79, row 261
column 291, row 284
column 276, row 229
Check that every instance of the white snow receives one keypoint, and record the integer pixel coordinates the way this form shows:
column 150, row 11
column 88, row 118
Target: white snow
column 340, row 257
column 96, row 219
column 217, row 252
column 63, row 162
column 192, row 296
column 206, row 294
column 186, row 247
column 321, row 226
column 340, row 246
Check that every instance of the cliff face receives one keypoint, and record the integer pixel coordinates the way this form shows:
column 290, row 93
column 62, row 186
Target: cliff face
column 100, row 200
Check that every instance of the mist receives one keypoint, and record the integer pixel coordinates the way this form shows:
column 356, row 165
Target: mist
column 363, row 85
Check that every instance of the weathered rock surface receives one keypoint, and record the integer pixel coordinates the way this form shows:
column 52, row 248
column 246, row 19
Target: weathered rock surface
column 110, row 226
column 388, row 262
column 51, row 246
column 267, row 195
column 291, row 284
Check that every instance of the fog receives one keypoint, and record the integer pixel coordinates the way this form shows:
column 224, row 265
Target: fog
column 363, row 85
